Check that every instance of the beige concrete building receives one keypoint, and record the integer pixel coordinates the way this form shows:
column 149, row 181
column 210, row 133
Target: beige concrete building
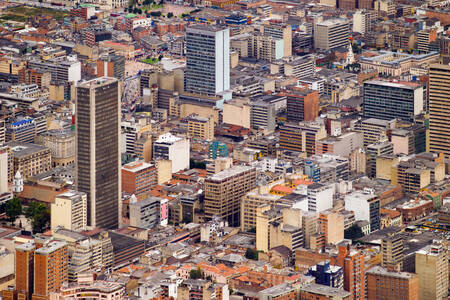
column 61, row 144
column 69, row 211
column 331, row 223
column 265, row 47
column 279, row 31
column 374, row 129
column 30, row 159
column 432, row 269
column 164, row 170
column 200, row 127
column 237, row 112
column 331, row 34
column 224, row 190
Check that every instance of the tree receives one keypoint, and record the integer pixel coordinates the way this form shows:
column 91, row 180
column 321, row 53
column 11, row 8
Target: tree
column 39, row 216
column 195, row 274
column 353, row 233
column 13, row 209
column 251, row 254
column 139, row 11
column 170, row 15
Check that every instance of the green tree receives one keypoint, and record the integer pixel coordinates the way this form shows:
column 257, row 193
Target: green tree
column 139, row 11
column 39, row 216
column 353, row 233
column 195, row 274
column 13, row 209
column 251, row 254
column 170, row 15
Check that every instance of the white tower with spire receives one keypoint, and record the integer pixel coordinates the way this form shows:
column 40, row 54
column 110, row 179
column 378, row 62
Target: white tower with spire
column 350, row 55
column 18, row 183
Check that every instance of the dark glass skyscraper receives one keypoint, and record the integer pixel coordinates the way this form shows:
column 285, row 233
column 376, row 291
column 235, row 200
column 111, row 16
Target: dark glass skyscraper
column 98, row 153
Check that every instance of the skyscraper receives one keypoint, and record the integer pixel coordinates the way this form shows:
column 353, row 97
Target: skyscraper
column 439, row 105
column 331, row 34
column 207, row 60
column 98, row 151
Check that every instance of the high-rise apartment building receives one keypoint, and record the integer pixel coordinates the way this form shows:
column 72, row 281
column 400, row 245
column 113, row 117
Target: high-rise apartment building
column 280, row 31
column 265, row 47
column 24, row 271
column 302, row 105
column 200, row 127
column 207, row 60
column 50, row 268
column 374, row 129
column 69, row 211
column 439, row 104
column 224, row 190
column 353, row 263
column 263, row 115
column 393, row 100
column 432, row 269
column 98, row 159
column 392, row 251
column 366, row 206
column 361, row 22
column 374, row 151
column 384, row 284
column 331, row 34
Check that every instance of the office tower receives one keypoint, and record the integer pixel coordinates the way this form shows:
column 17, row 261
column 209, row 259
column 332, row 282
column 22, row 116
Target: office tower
column 21, row 131
column 374, row 129
column 410, row 140
column 139, row 177
column 201, row 128
column 385, row 284
column 366, row 206
column 331, row 34
column 264, row 47
column 61, row 70
column 331, row 223
column 432, row 269
column 302, row 137
column 374, row 151
column 280, row 31
column 320, row 197
column 393, row 100
column 69, row 211
column 207, row 60
column 361, row 22
column 111, row 66
column 263, row 115
column 98, row 159
column 25, row 269
column 50, row 268
column 146, row 213
column 326, row 274
column 416, row 173
column 353, row 263
column 392, row 251
column 173, row 148
column 439, row 105
column 302, row 105
column 224, row 190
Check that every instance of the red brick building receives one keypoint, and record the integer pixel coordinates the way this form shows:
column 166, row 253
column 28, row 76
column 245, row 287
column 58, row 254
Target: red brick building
column 382, row 284
column 138, row 177
column 352, row 261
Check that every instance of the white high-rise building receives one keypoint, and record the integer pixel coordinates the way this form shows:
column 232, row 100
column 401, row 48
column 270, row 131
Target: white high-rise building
column 3, row 172
column 176, row 149
column 207, row 60
column 361, row 22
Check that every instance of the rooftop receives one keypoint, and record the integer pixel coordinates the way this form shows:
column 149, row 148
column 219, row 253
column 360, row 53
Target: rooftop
column 21, row 150
column 378, row 270
column 325, row 290
column 235, row 170
column 50, row 247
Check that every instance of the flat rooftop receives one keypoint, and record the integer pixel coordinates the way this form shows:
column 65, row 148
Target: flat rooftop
column 20, row 149
column 235, row 170
column 378, row 270
column 96, row 82
column 325, row 290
